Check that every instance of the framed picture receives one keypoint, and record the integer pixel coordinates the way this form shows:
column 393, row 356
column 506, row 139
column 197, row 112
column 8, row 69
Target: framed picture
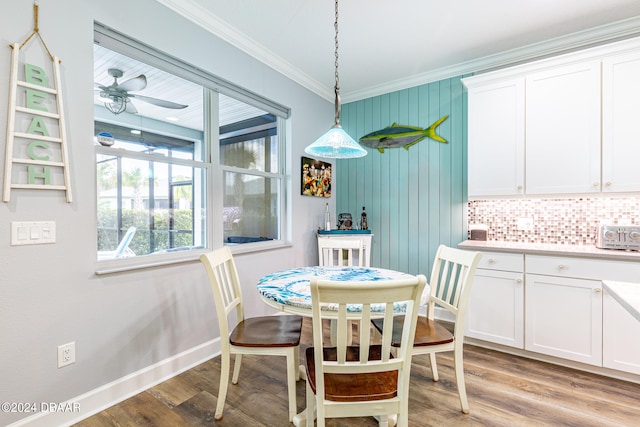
column 316, row 178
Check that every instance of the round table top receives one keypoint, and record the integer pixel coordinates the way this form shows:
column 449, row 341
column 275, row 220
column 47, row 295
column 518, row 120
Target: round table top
column 289, row 290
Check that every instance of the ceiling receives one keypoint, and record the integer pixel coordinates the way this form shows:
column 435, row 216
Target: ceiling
column 383, row 45
column 389, row 45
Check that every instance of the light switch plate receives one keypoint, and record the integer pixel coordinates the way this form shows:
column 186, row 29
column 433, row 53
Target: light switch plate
column 32, row 232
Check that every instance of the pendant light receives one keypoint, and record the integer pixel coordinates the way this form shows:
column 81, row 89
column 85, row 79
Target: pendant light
column 336, row 143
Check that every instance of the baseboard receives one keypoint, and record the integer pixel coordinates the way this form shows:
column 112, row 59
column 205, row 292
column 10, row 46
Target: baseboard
column 123, row 388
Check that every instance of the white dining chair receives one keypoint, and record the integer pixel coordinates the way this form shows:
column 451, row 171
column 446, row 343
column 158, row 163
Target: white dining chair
column 342, row 252
column 267, row 335
column 450, row 288
column 361, row 380
column 349, row 252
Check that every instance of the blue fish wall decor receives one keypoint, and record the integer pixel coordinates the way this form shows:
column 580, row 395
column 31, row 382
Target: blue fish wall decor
column 396, row 135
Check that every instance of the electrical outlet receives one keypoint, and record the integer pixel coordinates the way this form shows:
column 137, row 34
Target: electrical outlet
column 66, row 354
column 525, row 224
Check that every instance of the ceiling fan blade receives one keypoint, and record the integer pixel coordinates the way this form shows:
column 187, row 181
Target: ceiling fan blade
column 97, row 86
column 159, row 102
column 136, row 83
column 131, row 109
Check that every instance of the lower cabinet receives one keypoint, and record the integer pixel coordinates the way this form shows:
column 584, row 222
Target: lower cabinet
column 564, row 318
column 555, row 305
column 620, row 337
column 496, row 310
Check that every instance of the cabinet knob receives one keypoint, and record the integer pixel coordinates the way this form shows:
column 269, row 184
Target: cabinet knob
column 560, row 267
column 491, row 261
column 607, row 184
column 518, row 281
column 519, row 187
column 596, row 184
column 597, row 290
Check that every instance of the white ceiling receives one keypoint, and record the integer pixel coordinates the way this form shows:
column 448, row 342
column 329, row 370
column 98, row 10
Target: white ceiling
column 387, row 45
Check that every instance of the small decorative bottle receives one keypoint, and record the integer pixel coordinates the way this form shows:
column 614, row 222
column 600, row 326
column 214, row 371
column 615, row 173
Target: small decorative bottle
column 363, row 220
column 327, row 218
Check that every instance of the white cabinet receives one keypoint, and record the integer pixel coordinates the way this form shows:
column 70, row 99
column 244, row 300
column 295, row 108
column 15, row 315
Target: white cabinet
column 563, row 129
column 620, row 115
column 564, row 318
column 563, row 125
column 496, row 139
column 620, row 337
column 496, row 307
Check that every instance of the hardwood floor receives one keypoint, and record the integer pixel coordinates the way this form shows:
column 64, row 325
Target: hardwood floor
column 503, row 390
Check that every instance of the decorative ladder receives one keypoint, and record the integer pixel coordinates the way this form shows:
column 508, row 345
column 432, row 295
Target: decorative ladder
column 37, row 136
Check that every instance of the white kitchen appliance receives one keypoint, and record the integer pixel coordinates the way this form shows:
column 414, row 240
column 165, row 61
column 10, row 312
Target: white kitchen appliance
column 618, row 237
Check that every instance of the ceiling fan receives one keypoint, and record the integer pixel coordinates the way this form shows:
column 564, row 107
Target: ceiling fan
column 116, row 97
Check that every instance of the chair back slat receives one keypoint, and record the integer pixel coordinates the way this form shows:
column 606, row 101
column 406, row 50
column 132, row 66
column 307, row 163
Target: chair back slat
column 341, row 252
column 361, row 301
column 451, row 277
column 225, row 285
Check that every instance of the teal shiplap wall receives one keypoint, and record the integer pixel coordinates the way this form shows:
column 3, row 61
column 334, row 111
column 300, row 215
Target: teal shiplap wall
column 415, row 199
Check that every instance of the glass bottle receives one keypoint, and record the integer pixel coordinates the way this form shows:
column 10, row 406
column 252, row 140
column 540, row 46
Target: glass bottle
column 327, row 218
column 363, row 220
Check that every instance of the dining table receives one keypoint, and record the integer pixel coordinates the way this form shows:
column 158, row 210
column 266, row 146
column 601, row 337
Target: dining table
column 290, row 291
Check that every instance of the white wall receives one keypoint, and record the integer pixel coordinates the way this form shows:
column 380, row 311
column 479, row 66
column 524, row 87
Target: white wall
column 49, row 294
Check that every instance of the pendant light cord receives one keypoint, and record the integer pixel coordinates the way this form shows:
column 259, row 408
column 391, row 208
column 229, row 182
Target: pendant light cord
column 337, row 86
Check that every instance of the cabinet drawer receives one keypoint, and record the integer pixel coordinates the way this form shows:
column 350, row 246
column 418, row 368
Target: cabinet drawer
column 501, row 261
column 584, row 268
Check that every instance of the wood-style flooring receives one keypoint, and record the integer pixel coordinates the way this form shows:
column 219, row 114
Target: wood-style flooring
column 503, row 390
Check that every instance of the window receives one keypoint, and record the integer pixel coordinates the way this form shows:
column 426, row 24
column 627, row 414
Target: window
column 164, row 179
column 251, row 180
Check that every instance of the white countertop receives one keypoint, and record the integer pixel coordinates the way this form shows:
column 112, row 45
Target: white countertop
column 627, row 294
column 582, row 251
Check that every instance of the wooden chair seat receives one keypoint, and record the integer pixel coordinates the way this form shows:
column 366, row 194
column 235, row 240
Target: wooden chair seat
column 267, row 331
column 428, row 331
column 353, row 387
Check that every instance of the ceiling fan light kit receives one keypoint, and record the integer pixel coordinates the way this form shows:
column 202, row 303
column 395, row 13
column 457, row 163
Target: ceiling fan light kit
column 336, row 143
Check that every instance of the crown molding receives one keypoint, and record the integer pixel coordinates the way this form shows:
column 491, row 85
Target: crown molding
column 592, row 37
column 579, row 40
column 208, row 21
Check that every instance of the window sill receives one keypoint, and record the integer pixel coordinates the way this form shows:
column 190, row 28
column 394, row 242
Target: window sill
column 160, row 260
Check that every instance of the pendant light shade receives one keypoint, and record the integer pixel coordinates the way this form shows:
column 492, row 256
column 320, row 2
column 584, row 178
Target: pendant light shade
column 336, row 143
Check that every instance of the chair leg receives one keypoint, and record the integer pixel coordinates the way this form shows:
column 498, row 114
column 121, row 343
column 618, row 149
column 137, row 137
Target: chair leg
column 236, row 368
column 311, row 407
column 383, row 420
column 296, row 360
column 459, row 369
column 434, row 367
column 225, row 362
column 292, row 374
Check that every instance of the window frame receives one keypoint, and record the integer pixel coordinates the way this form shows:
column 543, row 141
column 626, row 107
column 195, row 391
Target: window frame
column 214, row 170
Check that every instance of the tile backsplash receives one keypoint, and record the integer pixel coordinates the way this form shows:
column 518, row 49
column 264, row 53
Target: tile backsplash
column 570, row 221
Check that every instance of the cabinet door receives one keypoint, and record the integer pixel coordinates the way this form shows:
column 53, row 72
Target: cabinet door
column 564, row 318
column 563, row 130
column 620, row 337
column 496, row 308
column 496, row 139
column 620, row 115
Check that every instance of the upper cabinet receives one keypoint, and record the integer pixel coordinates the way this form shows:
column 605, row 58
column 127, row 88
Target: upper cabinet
column 621, row 123
column 563, row 130
column 496, row 138
column 564, row 125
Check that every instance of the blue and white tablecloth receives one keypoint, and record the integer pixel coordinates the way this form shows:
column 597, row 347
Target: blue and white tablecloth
column 292, row 287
